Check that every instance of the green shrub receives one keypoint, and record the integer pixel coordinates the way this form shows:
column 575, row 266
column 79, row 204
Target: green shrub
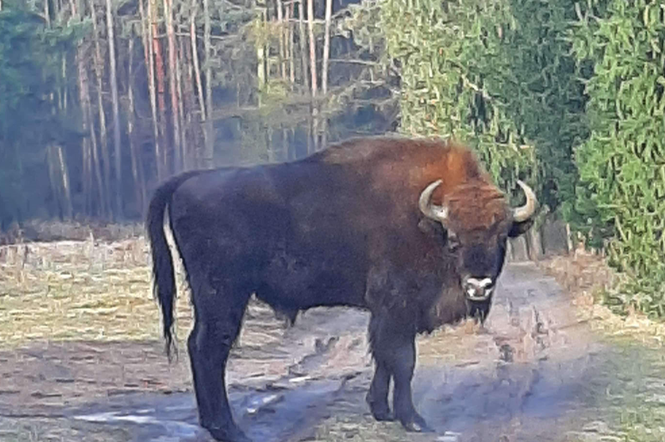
column 621, row 194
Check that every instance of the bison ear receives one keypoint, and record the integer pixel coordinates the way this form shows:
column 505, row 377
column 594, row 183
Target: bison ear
column 519, row 228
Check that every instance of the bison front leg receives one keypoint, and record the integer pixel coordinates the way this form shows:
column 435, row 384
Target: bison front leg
column 218, row 318
column 377, row 397
column 394, row 351
column 403, row 364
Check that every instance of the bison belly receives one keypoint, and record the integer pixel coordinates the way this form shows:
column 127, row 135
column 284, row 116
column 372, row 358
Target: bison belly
column 322, row 273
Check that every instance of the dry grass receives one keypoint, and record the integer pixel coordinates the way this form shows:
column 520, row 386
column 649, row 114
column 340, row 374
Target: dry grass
column 33, row 430
column 50, row 231
column 363, row 428
column 83, row 290
column 585, row 275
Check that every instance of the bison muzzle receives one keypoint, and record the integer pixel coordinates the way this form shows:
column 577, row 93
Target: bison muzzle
column 414, row 231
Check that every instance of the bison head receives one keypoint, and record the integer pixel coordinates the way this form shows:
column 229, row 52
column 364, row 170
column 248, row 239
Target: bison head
column 478, row 222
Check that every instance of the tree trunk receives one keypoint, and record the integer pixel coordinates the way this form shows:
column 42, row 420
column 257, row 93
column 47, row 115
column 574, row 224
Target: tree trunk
column 137, row 164
column 161, row 89
column 304, row 69
column 324, row 76
column 89, row 154
column 47, row 14
column 173, row 88
column 312, row 60
column 210, row 142
column 182, row 136
column 53, row 180
column 326, row 48
column 199, row 83
column 312, row 46
column 86, row 179
column 281, row 39
column 285, row 143
column 116, row 112
column 290, row 43
column 323, row 130
column 149, row 56
column 303, row 48
column 85, row 146
column 269, row 144
column 189, row 105
column 96, row 162
column 62, row 91
column 59, row 177
column 195, row 58
column 103, row 137
column 64, row 177
column 569, row 240
column 262, row 62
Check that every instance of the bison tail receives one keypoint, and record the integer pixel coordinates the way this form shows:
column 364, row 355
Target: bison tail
column 162, row 262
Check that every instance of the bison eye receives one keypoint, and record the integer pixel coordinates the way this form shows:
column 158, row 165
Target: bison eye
column 452, row 242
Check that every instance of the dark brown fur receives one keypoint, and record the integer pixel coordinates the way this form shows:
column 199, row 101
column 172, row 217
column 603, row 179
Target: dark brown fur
column 341, row 227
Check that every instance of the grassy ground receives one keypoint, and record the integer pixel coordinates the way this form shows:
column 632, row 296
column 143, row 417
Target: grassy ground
column 80, row 290
column 638, row 400
column 33, row 430
column 633, row 407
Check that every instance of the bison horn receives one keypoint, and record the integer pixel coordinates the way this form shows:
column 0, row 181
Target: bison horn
column 437, row 213
column 521, row 214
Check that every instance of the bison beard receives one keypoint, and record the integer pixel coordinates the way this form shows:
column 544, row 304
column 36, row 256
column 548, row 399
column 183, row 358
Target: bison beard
column 412, row 230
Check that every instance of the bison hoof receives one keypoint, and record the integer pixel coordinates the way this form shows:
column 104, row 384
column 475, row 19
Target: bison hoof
column 383, row 415
column 416, row 424
column 379, row 408
column 233, row 434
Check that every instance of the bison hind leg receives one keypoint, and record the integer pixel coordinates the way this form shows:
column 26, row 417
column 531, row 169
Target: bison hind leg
column 219, row 311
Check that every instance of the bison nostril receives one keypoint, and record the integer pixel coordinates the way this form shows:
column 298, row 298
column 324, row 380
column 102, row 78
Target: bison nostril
column 473, row 291
column 477, row 288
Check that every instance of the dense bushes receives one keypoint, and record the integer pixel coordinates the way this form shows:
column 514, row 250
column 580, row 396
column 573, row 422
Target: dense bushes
column 622, row 165
column 568, row 97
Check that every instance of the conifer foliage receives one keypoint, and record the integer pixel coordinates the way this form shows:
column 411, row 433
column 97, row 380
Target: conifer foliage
column 621, row 194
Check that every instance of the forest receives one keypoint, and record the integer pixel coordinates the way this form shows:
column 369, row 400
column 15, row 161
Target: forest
column 101, row 100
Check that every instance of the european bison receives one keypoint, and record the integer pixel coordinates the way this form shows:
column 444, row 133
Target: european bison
column 412, row 230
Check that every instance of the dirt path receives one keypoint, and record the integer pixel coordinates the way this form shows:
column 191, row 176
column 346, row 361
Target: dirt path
column 533, row 374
